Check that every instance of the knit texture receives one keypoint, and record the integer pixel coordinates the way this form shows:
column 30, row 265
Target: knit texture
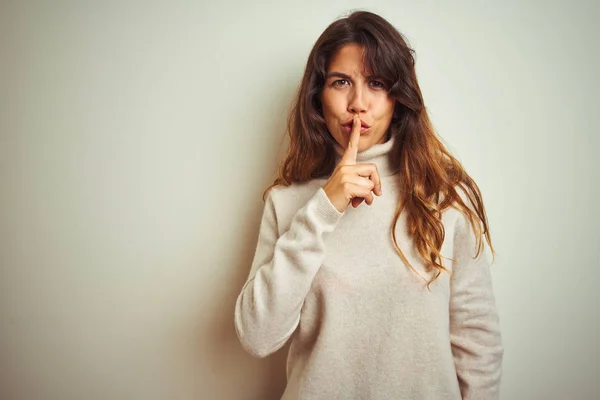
column 362, row 324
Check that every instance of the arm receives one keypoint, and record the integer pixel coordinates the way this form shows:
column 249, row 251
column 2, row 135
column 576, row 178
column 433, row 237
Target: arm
column 474, row 325
column 267, row 310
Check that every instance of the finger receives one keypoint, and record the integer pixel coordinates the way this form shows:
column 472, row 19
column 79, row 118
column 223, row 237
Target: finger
column 360, row 185
column 352, row 149
column 371, row 172
column 369, row 199
column 377, row 181
column 361, row 191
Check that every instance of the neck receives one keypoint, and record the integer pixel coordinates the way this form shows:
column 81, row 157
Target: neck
column 378, row 154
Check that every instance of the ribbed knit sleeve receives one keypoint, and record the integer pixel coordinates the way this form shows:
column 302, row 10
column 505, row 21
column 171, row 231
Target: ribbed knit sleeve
column 267, row 310
column 474, row 325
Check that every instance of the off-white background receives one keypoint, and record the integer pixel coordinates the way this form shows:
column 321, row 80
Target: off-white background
column 136, row 141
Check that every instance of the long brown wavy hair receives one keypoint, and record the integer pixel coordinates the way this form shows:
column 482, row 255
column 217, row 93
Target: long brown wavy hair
column 427, row 170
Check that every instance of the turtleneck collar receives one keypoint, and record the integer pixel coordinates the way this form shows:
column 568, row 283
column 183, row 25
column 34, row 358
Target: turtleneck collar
column 379, row 154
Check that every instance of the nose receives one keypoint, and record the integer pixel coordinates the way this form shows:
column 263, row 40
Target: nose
column 357, row 101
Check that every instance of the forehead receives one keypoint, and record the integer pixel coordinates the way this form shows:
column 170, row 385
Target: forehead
column 349, row 60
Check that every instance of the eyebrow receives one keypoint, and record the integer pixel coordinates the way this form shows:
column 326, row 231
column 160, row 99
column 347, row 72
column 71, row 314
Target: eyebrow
column 345, row 76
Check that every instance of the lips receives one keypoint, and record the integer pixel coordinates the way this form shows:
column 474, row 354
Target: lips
column 351, row 122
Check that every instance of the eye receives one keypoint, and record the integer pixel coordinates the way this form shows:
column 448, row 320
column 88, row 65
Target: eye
column 377, row 84
column 339, row 82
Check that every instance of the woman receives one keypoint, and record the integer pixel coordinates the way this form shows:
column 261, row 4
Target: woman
column 391, row 299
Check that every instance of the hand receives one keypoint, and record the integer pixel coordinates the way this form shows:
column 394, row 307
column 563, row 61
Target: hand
column 351, row 182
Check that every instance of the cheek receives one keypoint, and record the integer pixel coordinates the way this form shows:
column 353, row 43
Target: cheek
column 332, row 103
column 385, row 109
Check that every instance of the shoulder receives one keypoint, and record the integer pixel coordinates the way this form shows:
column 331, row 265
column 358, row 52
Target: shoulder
column 453, row 212
column 461, row 229
column 295, row 192
column 469, row 232
column 285, row 201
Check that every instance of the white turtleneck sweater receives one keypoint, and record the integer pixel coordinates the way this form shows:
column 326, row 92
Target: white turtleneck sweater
column 363, row 325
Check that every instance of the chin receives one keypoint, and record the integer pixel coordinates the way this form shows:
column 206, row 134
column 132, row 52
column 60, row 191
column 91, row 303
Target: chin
column 364, row 146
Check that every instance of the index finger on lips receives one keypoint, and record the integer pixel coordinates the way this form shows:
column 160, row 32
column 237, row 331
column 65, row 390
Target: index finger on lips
column 352, row 149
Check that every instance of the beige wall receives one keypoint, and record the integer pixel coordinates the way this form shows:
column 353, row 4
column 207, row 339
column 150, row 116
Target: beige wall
column 136, row 141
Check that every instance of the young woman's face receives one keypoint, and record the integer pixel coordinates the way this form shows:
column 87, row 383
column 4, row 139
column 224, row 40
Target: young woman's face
column 348, row 92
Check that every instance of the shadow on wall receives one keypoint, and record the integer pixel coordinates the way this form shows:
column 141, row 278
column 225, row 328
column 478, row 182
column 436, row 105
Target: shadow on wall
column 235, row 374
